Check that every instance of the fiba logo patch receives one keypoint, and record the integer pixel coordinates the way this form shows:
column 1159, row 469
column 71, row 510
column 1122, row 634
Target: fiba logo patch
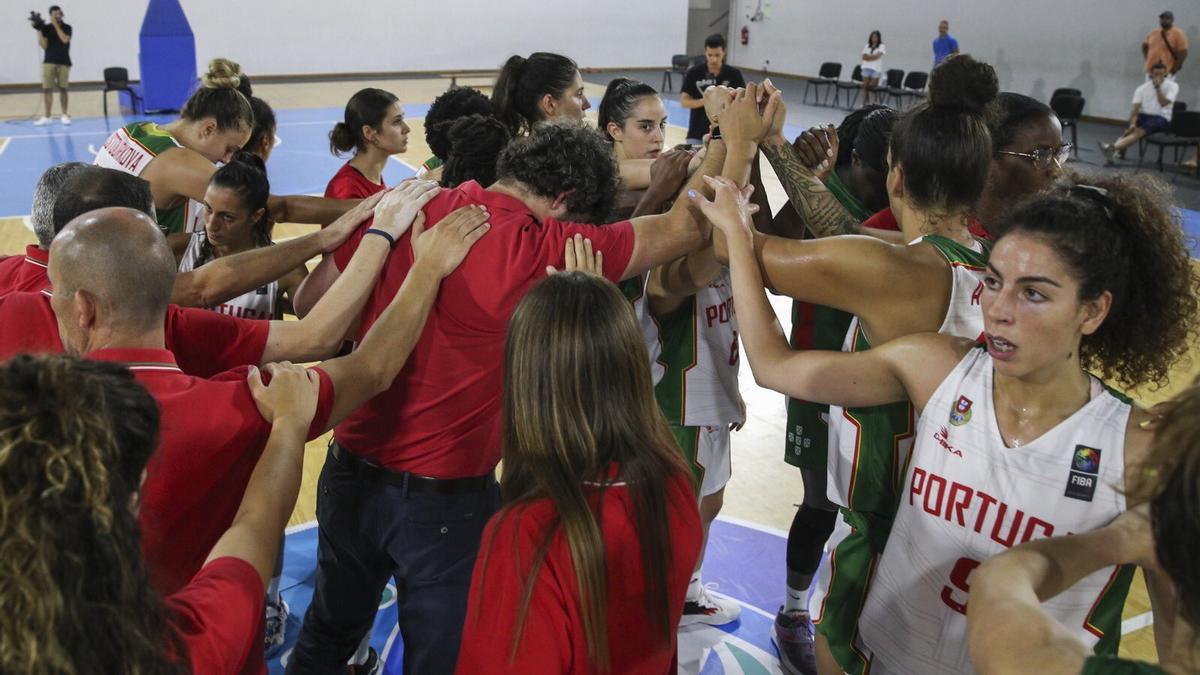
column 1085, row 471
column 960, row 414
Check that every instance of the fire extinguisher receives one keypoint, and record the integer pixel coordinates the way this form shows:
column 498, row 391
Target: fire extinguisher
column 745, row 35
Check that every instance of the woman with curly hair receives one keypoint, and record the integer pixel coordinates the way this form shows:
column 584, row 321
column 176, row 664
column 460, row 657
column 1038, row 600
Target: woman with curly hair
column 584, row 568
column 450, row 106
column 1019, row 438
column 1163, row 534
column 75, row 440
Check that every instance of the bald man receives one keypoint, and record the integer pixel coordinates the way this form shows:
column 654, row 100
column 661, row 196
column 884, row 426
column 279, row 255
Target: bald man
column 212, row 432
column 67, row 191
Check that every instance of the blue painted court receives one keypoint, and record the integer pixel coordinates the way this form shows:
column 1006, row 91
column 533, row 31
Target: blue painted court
column 745, row 561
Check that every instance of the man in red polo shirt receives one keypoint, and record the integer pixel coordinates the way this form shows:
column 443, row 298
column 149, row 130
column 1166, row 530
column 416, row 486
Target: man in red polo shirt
column 408, row 485
column 212, row 432
column 67, row 191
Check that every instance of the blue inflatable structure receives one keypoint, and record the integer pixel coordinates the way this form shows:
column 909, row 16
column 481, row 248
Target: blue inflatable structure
column 168, row 56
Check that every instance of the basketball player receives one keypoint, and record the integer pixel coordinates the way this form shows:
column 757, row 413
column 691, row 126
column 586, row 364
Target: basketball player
column 373, row 129
column 236, row 220
column 592, row 470
column 449, row 107
column 178, row 158
column 932, row 285
column 544, row 86
column 1018, row 441
column 1008, row 590
column 633, row 118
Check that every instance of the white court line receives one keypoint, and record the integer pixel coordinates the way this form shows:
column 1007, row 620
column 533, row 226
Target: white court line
column 1136, row 623
column 410, row 166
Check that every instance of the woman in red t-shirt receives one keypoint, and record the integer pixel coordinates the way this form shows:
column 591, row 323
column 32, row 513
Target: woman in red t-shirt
column 585, row 568
column 373, row 129
column 75, row 438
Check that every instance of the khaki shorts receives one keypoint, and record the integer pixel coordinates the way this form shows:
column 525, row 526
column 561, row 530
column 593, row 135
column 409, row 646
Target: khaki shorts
column 54, row 76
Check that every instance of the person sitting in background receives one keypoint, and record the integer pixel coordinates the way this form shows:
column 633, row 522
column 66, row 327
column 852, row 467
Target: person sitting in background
column 77, row 437
column 872, row 67
column 1153, row 103
column 1008, row 590
column 714, row 71
column 374, row 129
column 449, row 106
column 584, row 568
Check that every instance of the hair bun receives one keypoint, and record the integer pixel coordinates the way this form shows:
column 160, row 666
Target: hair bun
column 222, row 74
column 963, row 84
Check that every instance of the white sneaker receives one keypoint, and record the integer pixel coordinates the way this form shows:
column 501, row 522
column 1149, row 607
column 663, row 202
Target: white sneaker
column 42, row 121
column 709, row 609
column 66, row 119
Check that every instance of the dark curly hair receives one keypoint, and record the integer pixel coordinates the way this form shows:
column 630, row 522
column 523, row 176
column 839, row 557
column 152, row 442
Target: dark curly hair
column 564, row 156
column 1170, row 481
column 1121, row 234
column 448, row 107
column 944, row 144
column 866, row 131
column 476, row 142
column 75, row 436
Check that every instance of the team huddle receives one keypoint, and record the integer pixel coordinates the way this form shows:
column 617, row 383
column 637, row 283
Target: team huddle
column 568, row 307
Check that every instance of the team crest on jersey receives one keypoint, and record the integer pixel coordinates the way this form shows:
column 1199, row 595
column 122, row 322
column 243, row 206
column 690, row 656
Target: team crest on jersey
column 961, row 413
column 1085, row 471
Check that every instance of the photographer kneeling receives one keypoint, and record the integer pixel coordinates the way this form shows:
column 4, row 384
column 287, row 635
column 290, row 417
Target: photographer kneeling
column 55, row 38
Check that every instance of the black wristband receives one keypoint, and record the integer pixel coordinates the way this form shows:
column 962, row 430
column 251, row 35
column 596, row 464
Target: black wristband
column 715, row 134
column 385, row 235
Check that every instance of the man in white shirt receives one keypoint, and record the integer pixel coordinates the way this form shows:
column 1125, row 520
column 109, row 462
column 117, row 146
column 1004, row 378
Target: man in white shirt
column 1153, row 103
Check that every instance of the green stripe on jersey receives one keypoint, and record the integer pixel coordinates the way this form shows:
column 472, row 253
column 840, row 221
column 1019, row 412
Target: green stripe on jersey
column 1107, row 665
column 1105, row 618
column 806, row 443
column 677, row 331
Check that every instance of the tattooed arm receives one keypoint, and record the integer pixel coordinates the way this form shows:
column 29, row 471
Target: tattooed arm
column 817, row 206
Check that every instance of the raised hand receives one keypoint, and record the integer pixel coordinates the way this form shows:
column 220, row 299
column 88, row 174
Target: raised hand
column 445, row 246
column 580, row 258
column 669, row 172
column 743, row 121
column 817, row 149
column 395, row 212
column 716, row 99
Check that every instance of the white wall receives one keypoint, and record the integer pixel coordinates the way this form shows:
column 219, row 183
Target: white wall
column 288, row 37
column 1035, row 46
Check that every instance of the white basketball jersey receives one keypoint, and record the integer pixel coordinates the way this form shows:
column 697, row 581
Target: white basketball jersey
column 635, row 290
column 964, row 318
column 257, row 304
column 701, row 354
column 967, row 497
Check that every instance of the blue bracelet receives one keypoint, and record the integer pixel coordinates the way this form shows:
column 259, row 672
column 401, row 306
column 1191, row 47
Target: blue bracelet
column 385, row 235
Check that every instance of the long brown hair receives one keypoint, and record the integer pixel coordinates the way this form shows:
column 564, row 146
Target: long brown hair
column 1170, row 481
column 578, row 400
column 75, row 437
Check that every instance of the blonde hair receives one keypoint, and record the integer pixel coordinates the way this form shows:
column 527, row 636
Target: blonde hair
column 222, row 74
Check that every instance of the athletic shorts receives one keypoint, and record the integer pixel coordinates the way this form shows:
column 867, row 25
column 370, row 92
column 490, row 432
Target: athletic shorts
column 706, row 451
column 871, row 72
column 1152, row 124
column 54, row 76
column 840, row 593
column 806, row 448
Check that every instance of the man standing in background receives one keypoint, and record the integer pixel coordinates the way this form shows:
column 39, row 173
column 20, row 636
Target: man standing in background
column 944, row 44
column 1168, row 45
column 55, row 38
column 713, row 71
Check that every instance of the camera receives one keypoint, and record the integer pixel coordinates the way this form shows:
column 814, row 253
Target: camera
column 36, row 19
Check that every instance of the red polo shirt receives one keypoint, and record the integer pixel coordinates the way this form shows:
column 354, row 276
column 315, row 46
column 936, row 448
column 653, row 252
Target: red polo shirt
column 552, row 640
column 211, row 436
column 218, row 616
column 24, row 272
column 349, row 183
column 440, row 416
column 204, row 343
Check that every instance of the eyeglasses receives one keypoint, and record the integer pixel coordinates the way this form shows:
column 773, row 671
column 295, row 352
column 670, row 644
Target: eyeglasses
column 1042, row 157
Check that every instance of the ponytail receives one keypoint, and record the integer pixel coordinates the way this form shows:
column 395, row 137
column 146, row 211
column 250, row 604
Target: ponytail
column 524, row 81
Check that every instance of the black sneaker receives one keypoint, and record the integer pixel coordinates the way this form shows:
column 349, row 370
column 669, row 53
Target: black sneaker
column 794, row 638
